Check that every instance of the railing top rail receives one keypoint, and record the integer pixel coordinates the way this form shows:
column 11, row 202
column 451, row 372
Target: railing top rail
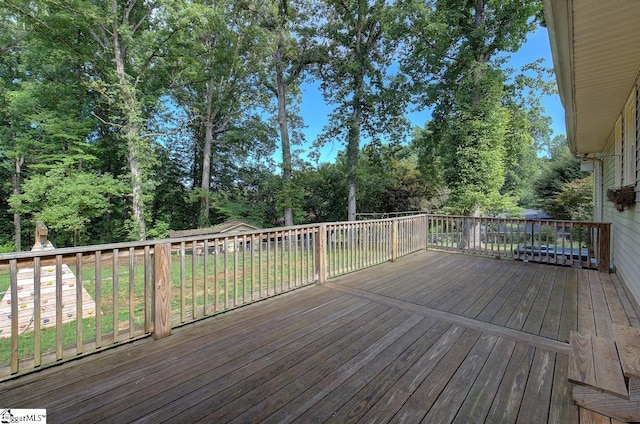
column 65, row 251
column 364, row 221
column 521, row 219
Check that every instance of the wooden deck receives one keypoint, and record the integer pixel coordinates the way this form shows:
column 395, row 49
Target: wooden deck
column 433, row 338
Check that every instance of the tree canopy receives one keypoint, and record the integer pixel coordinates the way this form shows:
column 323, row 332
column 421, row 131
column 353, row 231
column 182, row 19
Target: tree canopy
column 123, row 119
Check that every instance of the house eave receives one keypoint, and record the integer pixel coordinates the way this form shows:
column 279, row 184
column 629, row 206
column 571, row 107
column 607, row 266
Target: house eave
column 596, row 56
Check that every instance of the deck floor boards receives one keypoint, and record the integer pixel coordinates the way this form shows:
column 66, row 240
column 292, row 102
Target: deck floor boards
column 433, row 337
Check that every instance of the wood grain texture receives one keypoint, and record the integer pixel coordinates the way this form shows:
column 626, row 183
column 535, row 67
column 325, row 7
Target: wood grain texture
column 628, row 344
column 586, row 319
column 634, row 389
column 591, row 417
column 611, row 406
column 601, row 312
column 604, row 248
column 536, row 400
column 320, row 255
column 562, row 409
column 607, row 367
column 361, row 348
column 162, row 295
column 581, row 364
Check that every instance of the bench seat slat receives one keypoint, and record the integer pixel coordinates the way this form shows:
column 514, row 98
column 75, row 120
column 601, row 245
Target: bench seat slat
column 628, row 342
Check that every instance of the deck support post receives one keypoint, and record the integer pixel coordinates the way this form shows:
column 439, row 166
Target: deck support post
column 162, row 291
column 321, row 254
column 394, row 240
column 604, row 252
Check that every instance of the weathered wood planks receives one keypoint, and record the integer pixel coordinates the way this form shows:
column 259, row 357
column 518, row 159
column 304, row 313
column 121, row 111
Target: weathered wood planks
column 611, row 406
column 628, row 342
column 357, row 349
column 593, row 361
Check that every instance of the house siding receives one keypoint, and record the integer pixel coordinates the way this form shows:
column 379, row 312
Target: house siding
column 625, row 225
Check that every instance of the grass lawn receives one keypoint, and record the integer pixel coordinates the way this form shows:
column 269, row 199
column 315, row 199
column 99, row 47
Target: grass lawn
column 232, row 280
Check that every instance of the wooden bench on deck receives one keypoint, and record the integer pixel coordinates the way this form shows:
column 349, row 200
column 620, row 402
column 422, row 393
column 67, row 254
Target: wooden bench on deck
column 606, row 373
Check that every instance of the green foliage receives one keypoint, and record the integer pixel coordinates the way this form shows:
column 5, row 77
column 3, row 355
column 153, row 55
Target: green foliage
column 68, row 201
column 177, row 99
column 160, row 230
column 481, row 130
column 325, row 191
column 573, row 201
column 7, row 247
column 294, row 49
column 469, row 143
column 520, row 159
column 559, row 170
column 390, row 179
column 561, row 188
column 216, row 70
column 370, row 99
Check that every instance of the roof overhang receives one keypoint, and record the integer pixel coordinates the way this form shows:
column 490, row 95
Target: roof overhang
column 595, row 46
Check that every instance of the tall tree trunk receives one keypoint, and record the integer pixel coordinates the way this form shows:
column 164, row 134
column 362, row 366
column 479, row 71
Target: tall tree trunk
column 205, row 206
column 17, row 220
column 284, row 134
column 131, row 131
column 353, row 148
column 481, row 56
column 353, row 145
column 353, row 133
column 471, row 231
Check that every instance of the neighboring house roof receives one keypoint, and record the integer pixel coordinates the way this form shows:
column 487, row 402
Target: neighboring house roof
column 596, row 55
column 233, row 226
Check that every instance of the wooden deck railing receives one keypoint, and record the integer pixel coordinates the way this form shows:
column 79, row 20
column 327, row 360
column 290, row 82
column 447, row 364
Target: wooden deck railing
column 570, row 243
column 61, row 303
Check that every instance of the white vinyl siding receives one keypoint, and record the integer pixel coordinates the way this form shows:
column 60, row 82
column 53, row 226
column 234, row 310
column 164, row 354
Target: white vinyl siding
column 625, row 227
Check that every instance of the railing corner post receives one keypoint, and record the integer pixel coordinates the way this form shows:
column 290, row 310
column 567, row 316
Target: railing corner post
column 162, row 291
column 394, row 241
column 604, row 248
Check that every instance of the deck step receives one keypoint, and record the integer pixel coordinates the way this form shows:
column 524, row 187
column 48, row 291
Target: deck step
column 594, row 362
column 606, row 373
column 628, row 344
column 611, row 406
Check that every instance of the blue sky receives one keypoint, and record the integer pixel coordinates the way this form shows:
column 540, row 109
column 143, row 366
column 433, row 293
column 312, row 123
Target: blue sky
column 315, row 111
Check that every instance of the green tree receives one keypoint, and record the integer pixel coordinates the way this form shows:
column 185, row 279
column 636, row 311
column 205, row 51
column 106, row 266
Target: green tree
column 118, row 44
column 43, row 106
column 391, row 180
column 560, row 169
column 370, row 100
column 573, row 201
column 68, row 200
column 528, row 131
column 215, row 69
column 452, row 58
column 295, row 50
column 324, row 191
